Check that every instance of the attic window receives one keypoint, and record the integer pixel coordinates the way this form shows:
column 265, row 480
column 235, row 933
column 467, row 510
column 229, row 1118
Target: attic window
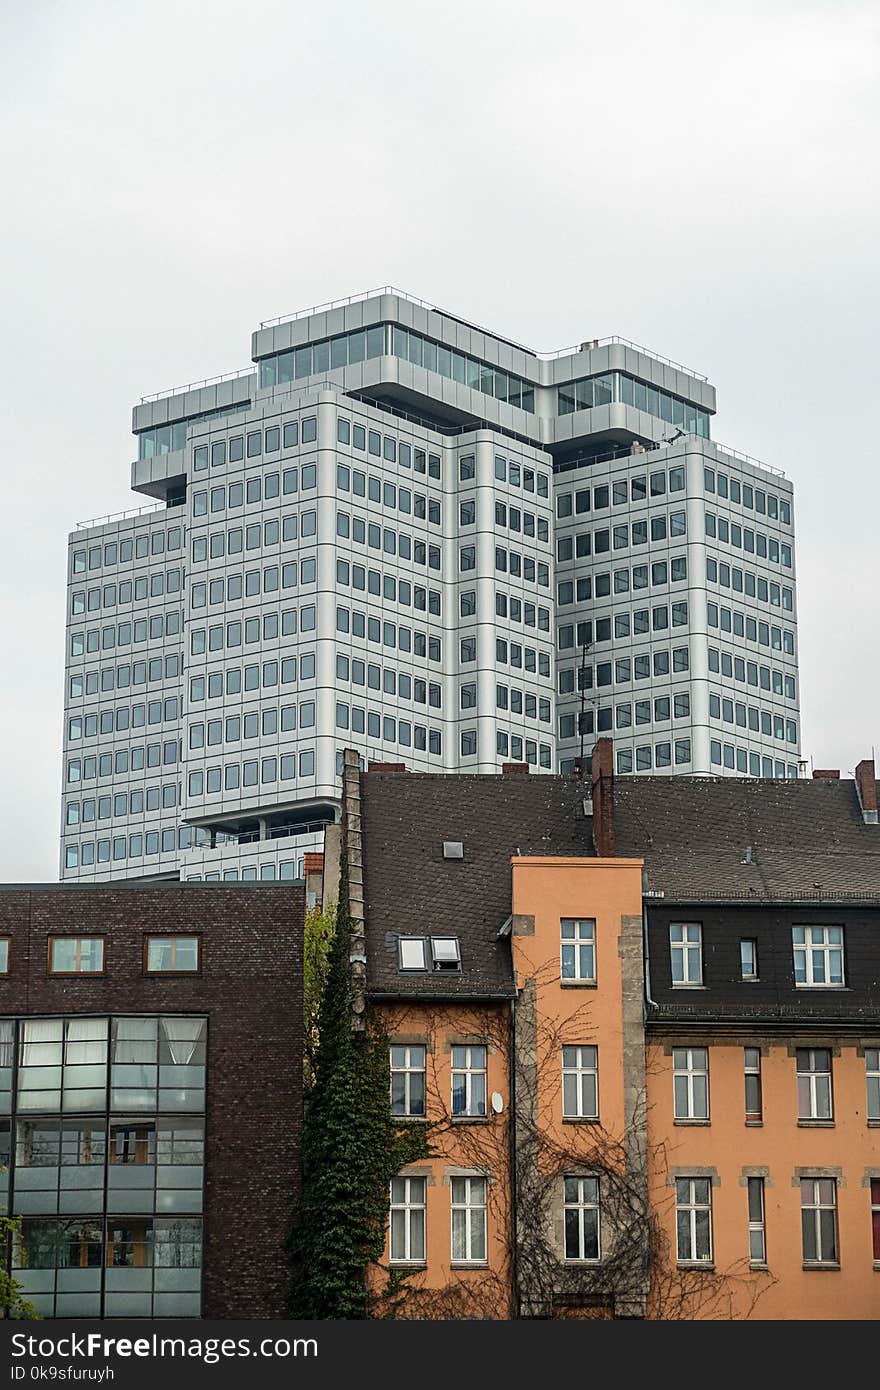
column 411, row 953
column 445, row 953
column 453, row 849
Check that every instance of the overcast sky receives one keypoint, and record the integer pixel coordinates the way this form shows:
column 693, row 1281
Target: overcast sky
column 701, row 178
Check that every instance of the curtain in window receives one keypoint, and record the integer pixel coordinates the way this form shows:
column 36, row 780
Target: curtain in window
column 7, row 1042
column 86, row 1040
column 35, row 1034
column 134, row 1040
column 183, row 1036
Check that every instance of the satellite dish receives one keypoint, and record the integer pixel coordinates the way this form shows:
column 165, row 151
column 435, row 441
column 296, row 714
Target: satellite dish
column 497, row 1102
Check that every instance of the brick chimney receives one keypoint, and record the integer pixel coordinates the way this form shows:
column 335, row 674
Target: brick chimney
column 602, row 780
column 515, row 769
column 386, row 767
column 866, row 786
column 828, row 774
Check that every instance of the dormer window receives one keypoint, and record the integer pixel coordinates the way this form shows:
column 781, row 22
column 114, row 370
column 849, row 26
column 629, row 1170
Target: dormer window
column 412, row 953
column 445, row 953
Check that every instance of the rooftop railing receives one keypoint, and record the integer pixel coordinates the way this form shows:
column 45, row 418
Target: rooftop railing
column 127, row 516
column 197, row 385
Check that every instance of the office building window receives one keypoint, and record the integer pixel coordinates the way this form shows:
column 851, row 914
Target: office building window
column 578, row 949
column 693, row 1220
column 580, row 1083
column 76, row 955
column 581, row 1216
column 469, row 1081
column 814, row 1083
column 754, row 1102
column 690, row 1084
column 408, row 1080
column 818, row 956
column 686, row 948
column 468, row 1220
column 819, row 1220
column 757, row 1232
column 407, row 1239
column 174, row 955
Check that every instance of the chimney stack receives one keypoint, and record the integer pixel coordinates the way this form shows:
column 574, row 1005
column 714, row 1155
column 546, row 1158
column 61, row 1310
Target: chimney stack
column 515, row 769
column 829, row 774
column 386, row 767
column 866, row 786
column 602, row 779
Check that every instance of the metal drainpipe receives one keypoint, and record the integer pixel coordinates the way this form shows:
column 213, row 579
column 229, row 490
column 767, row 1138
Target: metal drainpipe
column 649, row 1002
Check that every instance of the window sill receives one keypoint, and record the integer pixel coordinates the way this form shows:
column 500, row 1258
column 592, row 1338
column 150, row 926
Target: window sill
column 758, row 1265
column 707, row 1265
column 469, row 1264
column 821, row 1268
column 408, row 1264
column 578, row 984
column 877, row 1266
column 874, row 1124
column 754, row 1124
column 699, row 1123
column 469, row 1119
column 581, row 1120
column 410, row 1119
column 815, row 1124
column 682, row 985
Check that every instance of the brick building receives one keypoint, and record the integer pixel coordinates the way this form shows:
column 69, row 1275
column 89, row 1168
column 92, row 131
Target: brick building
column 150, row 1095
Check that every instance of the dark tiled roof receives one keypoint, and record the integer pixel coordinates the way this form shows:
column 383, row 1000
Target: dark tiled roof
column 411, row 889
column 807, row 838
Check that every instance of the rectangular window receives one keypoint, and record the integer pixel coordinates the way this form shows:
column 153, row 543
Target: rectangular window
column 468, row 1220
column 407, row 1236
column 581, row 1214
column 76, row 955
column 578, row 950
column 875, row 1218
column 469, row 1081
column 690, row 1083
column 172, row 955
column 686, row 949
column 872, row 1078
column 693, row 1220
column 752, row 1066
column 819, row 1220
column 4, row 955
column 408, row 1080
column 814, row 1083
column 818, row 956
column 757, row 1233
column 580, row 1083
column 748, row 958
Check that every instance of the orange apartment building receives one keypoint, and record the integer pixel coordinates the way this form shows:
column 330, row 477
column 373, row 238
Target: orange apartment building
column 641, row 1018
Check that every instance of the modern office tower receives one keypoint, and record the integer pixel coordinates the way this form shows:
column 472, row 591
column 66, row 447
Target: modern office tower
column 399, row 532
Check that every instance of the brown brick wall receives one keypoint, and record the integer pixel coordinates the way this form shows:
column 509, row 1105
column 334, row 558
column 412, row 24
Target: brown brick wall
column 250, row 987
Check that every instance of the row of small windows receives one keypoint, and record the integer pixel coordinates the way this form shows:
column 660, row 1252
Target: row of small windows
column 289, row 527
column 292, row 480
column 753, row 542
column 758, row 721
column 512, row 563
column 401, row 499
column 662, row 572
column 387, row 586
column 286, row 870
column 121, row 677
column 108, row 595
column 133, row 803
column 750, row 672
column 618, row 537
column 813, row 1077
column 510, row 698
column 388, row 634
column 389, row 449
column 458, row 366
column 255, row 443
column 582, row 634
column 517, row 611
column 214, row 639
column 389, row 681
column 119, row 847
column 513, row 654
column 347, row 349
column 508, row 471
column 754, row 586
column 665, row 707
column 254, row 772
column 584, row 677
column 621, row 492
column 589, row 392
column 122, row 635
column 764, row 503
column 123, row 551
column 513, row 518
column 753, row 764
column 741, row 625
column 267, row 722
column 658, row 758
column 166, row 439
column 121, row 761
column 219, row 684
column 390, row 542
column 124, row 717
column 234, row 587
column 388, row 729
column 521, row 750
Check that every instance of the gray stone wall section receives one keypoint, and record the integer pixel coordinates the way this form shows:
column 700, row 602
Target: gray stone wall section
column 630, row 950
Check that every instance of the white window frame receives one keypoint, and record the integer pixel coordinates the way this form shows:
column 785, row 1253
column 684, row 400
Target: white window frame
column 582, row 1064
column 577, row 937
column 445, row 953
column 757, row 1221
column 817, row 1206
column 410, row 1066
column 408, row 941
column 752, row 1067
column 689, row 1202
column 583, row 1195
column 872, row 1083
column 812, row 945
column 689, row 1064
column 469, row 1202
column 686, row 947
column 813, row 1090
column 751, row 943
column 403, row 1208
column 470, row 1067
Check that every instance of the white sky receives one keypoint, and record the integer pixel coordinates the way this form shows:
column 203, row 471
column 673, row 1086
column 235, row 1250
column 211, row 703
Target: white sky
column 701, row 178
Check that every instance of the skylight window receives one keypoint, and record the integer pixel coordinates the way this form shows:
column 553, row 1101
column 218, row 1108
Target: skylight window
column 411, row 953
column 445, row 953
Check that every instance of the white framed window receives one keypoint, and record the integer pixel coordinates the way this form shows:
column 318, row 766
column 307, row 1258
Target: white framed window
column 818, row 956
column 469, row 1080
column 814, row 1083
column 752, row 1068
column 748, row 958
column 690, row 1083
column 686, row 950
column 580, row 1083
column 582, row 1218
column 872, row 1079
column 445, row 953
column 819, row 1220
column 757, row 1229
column 407, row 1238
column 412, row 953
column 468, row 1220
column 408, row 1080
column 578, row 949
column 693, row 1220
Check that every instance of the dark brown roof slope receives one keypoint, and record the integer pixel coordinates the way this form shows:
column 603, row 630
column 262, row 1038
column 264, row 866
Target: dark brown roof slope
column 806, row 839
column 410, row 889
